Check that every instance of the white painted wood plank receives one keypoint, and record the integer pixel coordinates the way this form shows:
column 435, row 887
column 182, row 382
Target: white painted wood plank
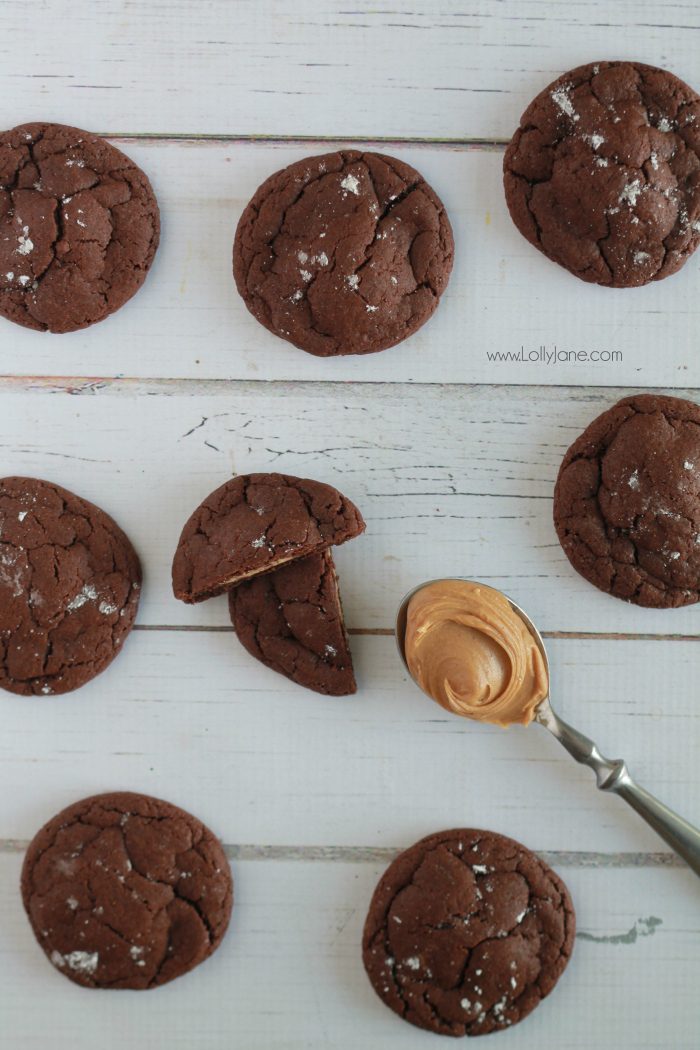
column 504, row 296
column 193, row 718
column 452, row 481
column 289, row 974
column 458, row 69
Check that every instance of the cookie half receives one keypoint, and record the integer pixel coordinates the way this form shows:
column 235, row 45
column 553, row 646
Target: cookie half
column 467, row 932
column 126, row 891
column 603, row 174
column 79, row 227
column 292, row 621
column 70, row 583
column 253, row 524
column 345, row 253
column 627, row 501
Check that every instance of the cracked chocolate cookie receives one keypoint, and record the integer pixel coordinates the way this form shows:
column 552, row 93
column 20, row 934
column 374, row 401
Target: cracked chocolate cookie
column 603, row 174
column 253, row 524
column 627, row 501
column 292, row 621
column 467, row 932
column 70, row 583
column 346, row 253
column 126, row 891
column 79, row 227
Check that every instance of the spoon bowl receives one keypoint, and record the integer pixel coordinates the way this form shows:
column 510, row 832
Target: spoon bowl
column 611, row 774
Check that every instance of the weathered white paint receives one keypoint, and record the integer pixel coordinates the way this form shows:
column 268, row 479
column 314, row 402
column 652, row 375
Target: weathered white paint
column 458, row 69
column 504, row 296
column 289, row 973
column 453, row 480
column 192, row 717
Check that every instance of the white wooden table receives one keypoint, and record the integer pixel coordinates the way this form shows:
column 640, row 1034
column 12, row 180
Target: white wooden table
column 450, row 456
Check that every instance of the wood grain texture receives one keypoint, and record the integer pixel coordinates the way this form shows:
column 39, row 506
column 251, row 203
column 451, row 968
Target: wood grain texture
column 452, row 480
column 458, row 69
column 289, row 973
column 192, row 717
column 504, row 297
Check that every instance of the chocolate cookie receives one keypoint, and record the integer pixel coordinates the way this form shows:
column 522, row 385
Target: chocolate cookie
column 627, row 501
column 467, row 932
column 292, row 621
column 346, row 253
column 253, row 524
column 69, row 588
column 79, row 227
column 126, row 891
column 603, row 174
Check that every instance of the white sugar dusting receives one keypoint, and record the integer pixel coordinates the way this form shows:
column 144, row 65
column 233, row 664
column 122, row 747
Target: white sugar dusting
column 305, row 275
column 22, row 515
column 72, row 903
column 664, row 124
column 88, row 594
column 330, row 650
column 413, row 962
column 562, row 98
column 107, row 608
column 631, row 192
column 75, row 162
column 371, row 309
column 259, row 542
column 596, row 141
column 26, row 245
column 688, row 465
column 465, row 1004
column 10, row 276
column 351, row 184
column 480, row 869
column 353, row 280
column 79, row 962
column 302, row 257
column 633, row 480
column 641, row 257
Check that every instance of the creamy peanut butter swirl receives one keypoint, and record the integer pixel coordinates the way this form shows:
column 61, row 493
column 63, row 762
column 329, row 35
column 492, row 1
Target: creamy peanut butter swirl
column 467, row 648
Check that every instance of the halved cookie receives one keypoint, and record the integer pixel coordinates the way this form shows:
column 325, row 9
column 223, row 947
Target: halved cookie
column 253, row 524
column 292, row 621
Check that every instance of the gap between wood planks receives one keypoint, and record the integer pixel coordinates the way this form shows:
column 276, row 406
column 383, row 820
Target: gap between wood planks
column 388, row 632
column 495, row 145
column 77, row 386
column 385, row 854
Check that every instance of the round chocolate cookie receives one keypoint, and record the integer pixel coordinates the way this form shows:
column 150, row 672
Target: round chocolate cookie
column 79, row 227
column 603, row 174
column 627, row 501
column 254, row 523
column 126, row 891
column 467, row 932
column 69, row 588
column 346, row 253
column 292, row 621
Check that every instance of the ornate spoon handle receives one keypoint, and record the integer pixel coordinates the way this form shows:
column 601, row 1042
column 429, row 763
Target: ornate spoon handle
column 613, row 775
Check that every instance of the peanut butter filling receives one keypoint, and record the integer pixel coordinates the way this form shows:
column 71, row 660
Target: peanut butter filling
column 467, row 648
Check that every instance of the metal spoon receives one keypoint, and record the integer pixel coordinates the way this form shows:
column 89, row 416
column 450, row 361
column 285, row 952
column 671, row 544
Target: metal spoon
column 611, row 774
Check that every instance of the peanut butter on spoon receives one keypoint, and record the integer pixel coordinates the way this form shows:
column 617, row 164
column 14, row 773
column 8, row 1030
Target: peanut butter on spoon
column 469, row 650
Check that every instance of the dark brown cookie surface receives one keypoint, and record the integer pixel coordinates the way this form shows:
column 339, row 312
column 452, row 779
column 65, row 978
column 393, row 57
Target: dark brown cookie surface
column 627, row 501
column 70, row 583
column 346, row 253
column 254, row 523
column 126, row 891
column 79, row 227
column 292, row 621
column 467, row 932
column 603, row 174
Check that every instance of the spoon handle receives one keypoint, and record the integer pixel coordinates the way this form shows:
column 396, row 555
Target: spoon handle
column 613, row 775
